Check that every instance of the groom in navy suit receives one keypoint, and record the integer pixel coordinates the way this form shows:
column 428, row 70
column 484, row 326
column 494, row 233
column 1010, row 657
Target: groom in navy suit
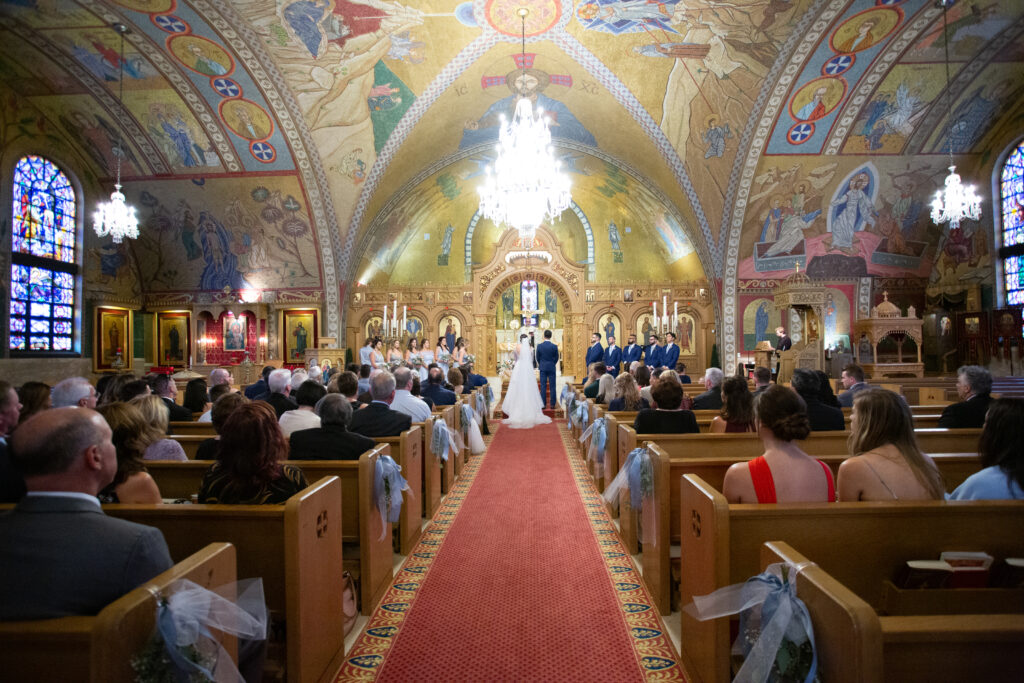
column 654, row 353
column 595, row 354
column 612, row 357
column 546, row 358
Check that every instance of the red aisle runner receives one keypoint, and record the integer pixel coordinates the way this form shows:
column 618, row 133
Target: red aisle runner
column 528, row 583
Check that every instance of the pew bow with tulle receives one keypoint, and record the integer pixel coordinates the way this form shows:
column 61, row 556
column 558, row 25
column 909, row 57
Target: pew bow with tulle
column 188, row 615
column 481, row 404
column 637, row 474
column 770, row 612
column 441, row 440
column 582, row 415
column 598, row 434
column 388, row 484
column 467, row 416
column 563, row 398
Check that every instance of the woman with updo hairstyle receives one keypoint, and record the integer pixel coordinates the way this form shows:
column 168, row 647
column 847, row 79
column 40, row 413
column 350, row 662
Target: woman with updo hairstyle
column 129, row 432
column 250, row 469
column 153, row 437
column 784, row 473
column 887, row 463
column 737, row 408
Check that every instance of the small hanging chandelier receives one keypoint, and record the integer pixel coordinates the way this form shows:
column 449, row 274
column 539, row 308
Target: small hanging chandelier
column 956, row 201
column 525, row 185
column 117, row 218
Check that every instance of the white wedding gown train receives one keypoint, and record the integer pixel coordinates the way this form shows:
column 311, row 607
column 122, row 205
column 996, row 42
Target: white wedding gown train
column 522, row 402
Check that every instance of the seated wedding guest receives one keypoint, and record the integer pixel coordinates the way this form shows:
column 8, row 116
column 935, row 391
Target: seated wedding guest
column 101, row 386
column 597, row 370
column 473, row 380
column 348, row 386
column 12, row 486
column 712, row 398
column 219, row 414
column 737, row 408
column 34, row 398
column 403, row 401
column 762, row 379
column 260, row 390
column 220, row 376
column 132, row 483
column 435, row 389
column 153, row 439
column 316, row 374
column 456, row 379
column 280, row 383
column 784, row 474
column 73, row 391
column 250, row 468
column 364, row 382
column 115, row 383
column 666, row 417
column 216, row 391
column 378, row 419
column 672, row 376
column 853, row 381
column 303, row 417
column 605, row 388
column 137, row 387
column 59, row 554
column 887, row 463
column 634, row 366
column 1001, row 455
column 415, row 391
column 823, row 418
column 973, row 385
column 167, row 389
column 643, row 382
column 332, row 385
column 331, row 440
column 681, row 371
column 298, row 377
column 825, row 393
column 197, row 397
column 627, row 395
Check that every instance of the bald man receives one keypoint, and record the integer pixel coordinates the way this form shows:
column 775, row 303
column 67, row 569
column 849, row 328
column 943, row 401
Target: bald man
column 59, row 554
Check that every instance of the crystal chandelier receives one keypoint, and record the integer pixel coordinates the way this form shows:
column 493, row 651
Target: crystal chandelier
column 116, row 218
column 525, row 184
column 956, row 201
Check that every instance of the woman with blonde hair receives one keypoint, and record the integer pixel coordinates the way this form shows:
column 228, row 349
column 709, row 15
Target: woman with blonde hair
column 395, row 356
column 132, row 483
column 157, row 446
column 887, row 463
column 627, row 395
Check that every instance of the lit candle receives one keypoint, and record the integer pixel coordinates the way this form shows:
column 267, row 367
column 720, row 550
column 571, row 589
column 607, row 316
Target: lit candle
column 655, row 305
column 405, row 325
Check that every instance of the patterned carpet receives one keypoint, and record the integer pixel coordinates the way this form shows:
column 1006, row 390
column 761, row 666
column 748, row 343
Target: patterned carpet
column 520, row 576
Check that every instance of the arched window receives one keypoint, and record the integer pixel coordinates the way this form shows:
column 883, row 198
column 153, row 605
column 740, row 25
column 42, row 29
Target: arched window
column 44, row 268
column 1011, row 191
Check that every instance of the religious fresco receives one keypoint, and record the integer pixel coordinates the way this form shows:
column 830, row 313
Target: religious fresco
column 541, row 303
column 978, row 107
column 760, row 319
column 610, row 325
column 895, row 109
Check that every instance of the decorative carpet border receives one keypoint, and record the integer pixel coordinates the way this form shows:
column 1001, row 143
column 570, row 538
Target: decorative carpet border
column 655, row 653
column 366, row 658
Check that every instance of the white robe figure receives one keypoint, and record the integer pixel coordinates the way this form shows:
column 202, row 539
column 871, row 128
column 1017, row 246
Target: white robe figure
column 522, row 401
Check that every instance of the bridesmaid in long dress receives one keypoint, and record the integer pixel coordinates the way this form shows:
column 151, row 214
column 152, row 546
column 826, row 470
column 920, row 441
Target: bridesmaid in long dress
column 412, row 354
column 395, row 353
column 442, row 348
column 427, row 355
column 377, row 358
column 459, row 354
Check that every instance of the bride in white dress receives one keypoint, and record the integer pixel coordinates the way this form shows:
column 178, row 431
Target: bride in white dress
column 522, row 402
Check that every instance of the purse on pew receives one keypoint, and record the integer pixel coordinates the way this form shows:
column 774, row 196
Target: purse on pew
column 350, row 600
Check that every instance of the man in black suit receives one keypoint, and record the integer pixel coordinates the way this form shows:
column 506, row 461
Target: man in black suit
column 712, row 398
column 473, row 381
column 331, row 440
column 823, row 418
column 667, row 418
column 435, row 390
column 377, row 419
column 167, row 390
column 12, row 485
column 973, row 385
column 762, row 379
column 260, row 390
column 280, row 383
column 59, row 554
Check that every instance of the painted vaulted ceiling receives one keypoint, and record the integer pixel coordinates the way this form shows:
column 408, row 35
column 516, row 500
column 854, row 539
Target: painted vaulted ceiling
column 321, row 142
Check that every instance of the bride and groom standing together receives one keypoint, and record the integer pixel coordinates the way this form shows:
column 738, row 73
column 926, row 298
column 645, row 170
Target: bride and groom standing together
column 523, row 403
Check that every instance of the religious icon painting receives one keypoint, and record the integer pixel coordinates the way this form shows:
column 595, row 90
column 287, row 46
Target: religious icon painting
column 451, row 329
column 300, row 333
column 609, row 325
column 173, row 338
column 589, row 295
column 234, row 332
column 113, row 339
column 374, row 327
column 627, row 296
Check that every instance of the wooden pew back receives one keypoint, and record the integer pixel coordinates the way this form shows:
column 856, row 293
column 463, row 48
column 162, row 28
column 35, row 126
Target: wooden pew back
column 192, row 429
column 857, row 543
column 189, row 444
column 407, row 450
column 100, row 648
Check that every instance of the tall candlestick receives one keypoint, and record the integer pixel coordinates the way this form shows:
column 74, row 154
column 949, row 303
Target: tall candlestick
column 405, row 323
column 656, row 319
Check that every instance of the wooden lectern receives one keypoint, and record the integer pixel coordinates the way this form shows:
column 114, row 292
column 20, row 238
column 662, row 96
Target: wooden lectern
column 763, row 353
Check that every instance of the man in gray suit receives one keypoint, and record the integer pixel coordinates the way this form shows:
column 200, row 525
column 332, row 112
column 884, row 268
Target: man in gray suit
column 59, row 554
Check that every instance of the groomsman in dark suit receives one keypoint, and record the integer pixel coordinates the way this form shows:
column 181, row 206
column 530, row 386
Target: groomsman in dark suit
column 653, row 353
column 546, row 359
column 612, row 357
column 595, row 354
column 632, row 352
column 670, row 352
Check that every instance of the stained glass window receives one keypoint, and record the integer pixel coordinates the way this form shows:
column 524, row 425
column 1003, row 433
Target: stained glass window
column 43, row 266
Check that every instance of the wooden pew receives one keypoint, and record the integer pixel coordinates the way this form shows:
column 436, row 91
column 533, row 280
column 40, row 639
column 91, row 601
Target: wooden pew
column 661, row 509
column 855, row 644
column 192, row 429
column 190, row 444
column 431, row 483
column 857, row 543
column 100, row 648
column 407, row 450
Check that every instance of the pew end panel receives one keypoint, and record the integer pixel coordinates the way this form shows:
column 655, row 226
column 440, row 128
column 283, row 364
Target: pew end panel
column 431, row 484
column 611, row 455
column 375, row 553
column 655, row 557
column 628, row 525
column 408, row 453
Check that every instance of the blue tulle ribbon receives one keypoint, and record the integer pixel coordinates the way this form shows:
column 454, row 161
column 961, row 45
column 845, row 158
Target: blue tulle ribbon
column 638, row 474
column 187, row 616
column 582, row 415
column 567, row 391
column 481, row 404
column 781, row 615
column 388, row 498
column 598, row 434
column 467, row 417
column 489, row 394
column 441, row 440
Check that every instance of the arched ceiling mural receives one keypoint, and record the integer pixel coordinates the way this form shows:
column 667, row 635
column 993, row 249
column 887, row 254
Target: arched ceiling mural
column 272, row 138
